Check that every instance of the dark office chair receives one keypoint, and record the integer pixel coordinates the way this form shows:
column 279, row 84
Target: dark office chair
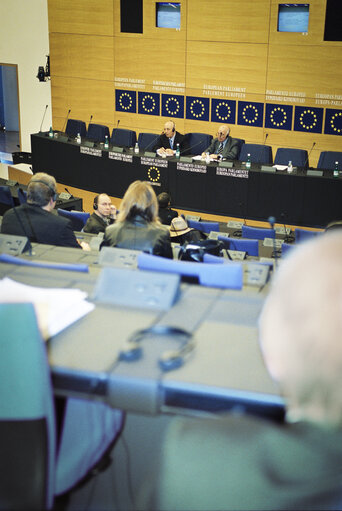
column 299, row 157
column 198, row 142
column 74, row 127
column 250, row 246
column 27, row 418
column 257, row 233
column 22, row 196
column 285, row 248
column 241, row 142
column 6, row 196
column 98, row 132
column 78, row 218
column 146, row 141
column 259, row 153
column 206, row 227
column 327, row 160
column 123, row 138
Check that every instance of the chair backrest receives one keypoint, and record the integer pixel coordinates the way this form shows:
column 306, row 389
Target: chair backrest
column 257, row 233
column 304, row 234
column 259, row 153
column 146, row 141
column 6, row 196
column 198, row 142
column 286, row 247
column 74, row 126
column 327, row 160
column 204, row 226
column 241, row 142
column 123, row 138
column 299, row 157
column 98, row 132
column 27, row 422
column 22, row 196
column 251, row 247
column 227, row 276
column 78, row 218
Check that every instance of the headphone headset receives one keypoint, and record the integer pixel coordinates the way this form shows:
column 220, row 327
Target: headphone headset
column 95, row 205
column 53, row 192
column 169, row 360
column 174, row 127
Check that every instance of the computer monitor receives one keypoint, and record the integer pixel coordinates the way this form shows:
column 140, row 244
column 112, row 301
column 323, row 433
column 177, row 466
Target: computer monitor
column 293, row 17
column 168, row 15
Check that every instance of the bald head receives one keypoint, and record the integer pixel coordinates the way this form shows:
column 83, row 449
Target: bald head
column 301, row 330
column 223, row 132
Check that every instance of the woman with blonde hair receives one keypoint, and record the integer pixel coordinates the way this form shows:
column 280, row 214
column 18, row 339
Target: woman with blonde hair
column 137, row 225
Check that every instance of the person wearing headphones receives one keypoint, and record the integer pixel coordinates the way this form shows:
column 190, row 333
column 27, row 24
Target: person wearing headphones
column 35, row 219
column 223, row 146
column 104, row 214
column 167, row 142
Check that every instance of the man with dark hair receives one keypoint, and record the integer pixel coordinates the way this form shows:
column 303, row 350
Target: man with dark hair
column 166, row 214
column 166, row 144
column 35, row 219
column 104, row 214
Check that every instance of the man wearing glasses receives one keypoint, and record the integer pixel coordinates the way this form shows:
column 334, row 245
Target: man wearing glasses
column 223, row 146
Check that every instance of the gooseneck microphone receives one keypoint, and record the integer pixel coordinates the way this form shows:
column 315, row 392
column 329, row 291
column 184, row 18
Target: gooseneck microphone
column 71, row 195
column 288, row 238
column 307, row 158
column 271, row 220
column 152, row 143
column 91, row 118
column 266, row 136
column 117, row 124
column 66, row 120
column 41, row 124
column 192, row 147
column 25, row 232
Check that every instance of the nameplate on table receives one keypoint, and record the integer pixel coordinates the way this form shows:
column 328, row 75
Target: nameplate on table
column 91, row 151
column 191, row 167
column 155, row 162
column 128, row 158
column 314, row 173
column 271, row 242
column 213, row 235
column 281, row 230
column 234, row 225
column 240, row 173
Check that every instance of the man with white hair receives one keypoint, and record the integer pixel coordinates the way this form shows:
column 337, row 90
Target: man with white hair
column 224, row 146
column 241, row 462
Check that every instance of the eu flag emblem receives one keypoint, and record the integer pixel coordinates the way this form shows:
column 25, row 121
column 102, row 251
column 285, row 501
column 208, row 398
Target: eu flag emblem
column 149, row 103
column 223, row 110
column 197, row 108
column 250, row 114
column 125, row 101
column 333, row 122
column 308, row 119
column 172, row 106
column 278, row 117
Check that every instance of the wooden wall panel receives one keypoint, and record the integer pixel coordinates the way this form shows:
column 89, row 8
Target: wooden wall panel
column 97, row 60
column 81, row 17
column 229, row 20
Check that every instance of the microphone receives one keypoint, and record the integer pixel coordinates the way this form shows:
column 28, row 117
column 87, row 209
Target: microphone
column 271, row 220
column 151, row 143
column 25, row 232
column 71, row 195
column 117, row 124
column 266, row 135
column 238, row 232
column 91, row 118
column 288, row 238
column 41, row 124
column 192, row 147
column 66, row 120
column 307, row 158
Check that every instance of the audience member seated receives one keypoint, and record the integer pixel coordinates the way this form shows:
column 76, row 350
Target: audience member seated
column 137, row 225
column 181, row 233
column 240, row 462
column 167, row 142
column 104, row 214
column 35, row 218
column 166, row 214
column 223, row 146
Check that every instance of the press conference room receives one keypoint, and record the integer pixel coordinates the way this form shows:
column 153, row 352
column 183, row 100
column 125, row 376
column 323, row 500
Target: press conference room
column 133, row 381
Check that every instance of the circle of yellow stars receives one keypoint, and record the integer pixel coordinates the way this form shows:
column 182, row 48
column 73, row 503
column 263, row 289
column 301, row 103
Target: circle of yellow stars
column 256, row 114
column 332, row 124
column 198, row 101
column 153, row 171
column 313, row 122
column 273, row 113
column 175, row 110
column 145, row 98
column 121, row 98
column 228, row 114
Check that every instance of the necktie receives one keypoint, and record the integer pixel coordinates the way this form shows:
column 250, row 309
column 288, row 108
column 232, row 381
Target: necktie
column 171, row 143
column 220, row 149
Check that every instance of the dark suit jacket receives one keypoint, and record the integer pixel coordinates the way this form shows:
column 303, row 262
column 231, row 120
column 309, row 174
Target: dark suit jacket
column 230, row 150
column 164, row 141
column 39, row 226
column 96, row 224
column 166, row 215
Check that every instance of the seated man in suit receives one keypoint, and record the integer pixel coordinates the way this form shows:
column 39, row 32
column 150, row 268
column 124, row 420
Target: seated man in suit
column 223, row 146
column 167, row 142
column 35, row 218
column 239, row 461
column 104, row 214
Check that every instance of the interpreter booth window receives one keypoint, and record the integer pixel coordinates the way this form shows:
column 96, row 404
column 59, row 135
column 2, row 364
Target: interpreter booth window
column 293, row 18
column 168, row 15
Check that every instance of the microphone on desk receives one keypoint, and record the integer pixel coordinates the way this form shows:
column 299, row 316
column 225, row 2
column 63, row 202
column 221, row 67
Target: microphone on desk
column 307, row 158
column 288, row 238
column 271, row 220
column 41, row 124
column 71, row 195
column 66, row 120
column 29, row 245
column 266, row 136
column 152, row 143
column 91, row 118
column 117, row 124
column 190, row 148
